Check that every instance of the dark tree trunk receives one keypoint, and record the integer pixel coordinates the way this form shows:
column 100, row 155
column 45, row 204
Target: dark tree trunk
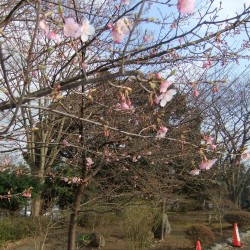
column 74, row 217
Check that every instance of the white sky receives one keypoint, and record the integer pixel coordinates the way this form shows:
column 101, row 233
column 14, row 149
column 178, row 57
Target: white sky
column 230, row 7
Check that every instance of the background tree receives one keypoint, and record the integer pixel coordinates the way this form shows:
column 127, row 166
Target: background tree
column 228, row 122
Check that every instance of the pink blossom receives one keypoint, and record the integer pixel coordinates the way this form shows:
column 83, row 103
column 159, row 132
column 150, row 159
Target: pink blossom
column 245, row 156
column 195, row 172
column 86, row 30
column 124, row 106
column 125, row 2
column 206, row 165
column 166, row 97
column 185, row 6
column 120, row 30
column 161, row 133
column 180, row 39
column 157, row 99
column 109, row 26
column 196, row 92
column 215, row 89
column 158, row 76
column 164, row 86
column 53, row 35
column 71, row 28
column 76, row 180
column 43, row 25
column 148, row 38
column 117, row 37
column 207, row 65
column 89, row 161
column 212, row 146
column 66, row 143
column 74, row 30
column 208, row 139
column 26, row 194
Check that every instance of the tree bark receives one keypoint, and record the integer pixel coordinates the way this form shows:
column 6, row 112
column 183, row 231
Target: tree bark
column 74, row 217
column 36, row 206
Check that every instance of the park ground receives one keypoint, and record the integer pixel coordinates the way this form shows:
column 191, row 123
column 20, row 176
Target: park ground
column 115, row 236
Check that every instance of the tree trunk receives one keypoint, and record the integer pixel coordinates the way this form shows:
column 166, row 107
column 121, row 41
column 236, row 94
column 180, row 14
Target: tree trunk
column 36, row 206
column 74, row 217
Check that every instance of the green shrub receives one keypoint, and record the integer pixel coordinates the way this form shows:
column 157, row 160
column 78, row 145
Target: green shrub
column 138, row 223
column 201, row 233
column 242, row 218
column 13, row 228
column 83, row 240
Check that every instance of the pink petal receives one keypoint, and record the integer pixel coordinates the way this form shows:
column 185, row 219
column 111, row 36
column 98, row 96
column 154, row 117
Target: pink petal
column 167, row 97
column 89, row 161
column 164, row 86
column 212, row 147
column 124, row 106
column 206, row 165
column 195, row 172
column 125, row 2
column 43, row 25
column 245, row 156
column 185, row 6
column 148, row 39
column 196, row 93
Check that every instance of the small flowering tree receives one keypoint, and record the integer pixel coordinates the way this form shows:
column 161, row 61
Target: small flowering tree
column 49, row 50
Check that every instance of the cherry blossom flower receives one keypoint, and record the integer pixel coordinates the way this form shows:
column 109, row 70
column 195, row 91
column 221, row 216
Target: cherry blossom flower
column 27, row 194
column 125, row 2
column 164, row 86
column 207, row 65
column 195, row 172
column 161, row 133
column 215, row 89
column 124, row 104
column 166, row 95
column 120, row 30
column 208, row 139
column 89, row 161
column 245, row 156
column 207, row 164
column 148, row 38
column 158, row 76
column 86, row 30
column 196, row 92
column 76, row 180
column 66, row 143
column 180, row 40
column 74, row 30
column 185, row 6
column 53, row 35
column 43, row 25
column 106, row 133
column 71, row 28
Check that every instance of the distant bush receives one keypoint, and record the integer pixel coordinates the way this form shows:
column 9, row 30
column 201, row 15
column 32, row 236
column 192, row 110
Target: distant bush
column 242, row 218
column 12, row 229
column 201, row 233
column 138, row 223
